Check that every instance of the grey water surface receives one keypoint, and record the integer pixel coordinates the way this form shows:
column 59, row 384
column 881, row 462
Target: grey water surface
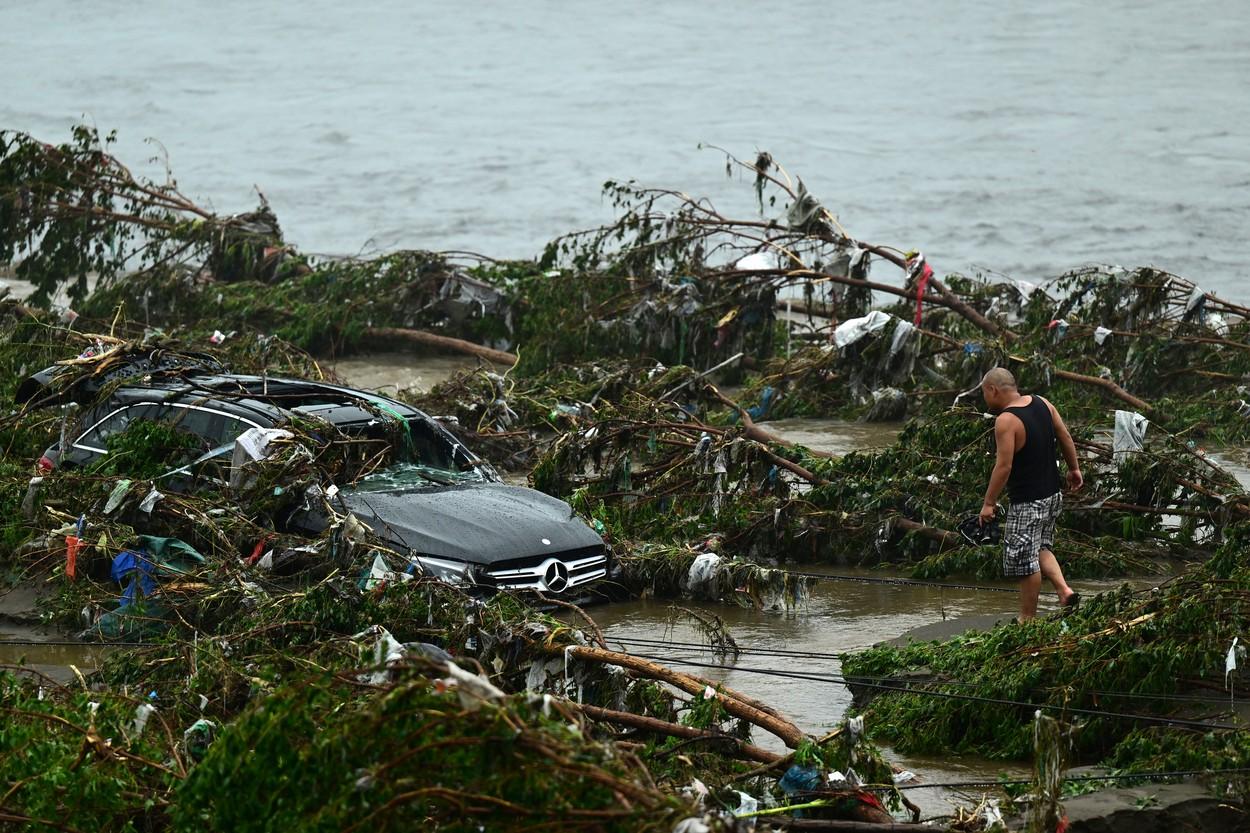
column 1015, row 136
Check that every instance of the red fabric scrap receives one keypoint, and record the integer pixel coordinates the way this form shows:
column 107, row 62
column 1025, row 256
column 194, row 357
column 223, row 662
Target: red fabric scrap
column 71, row 556
column 260, row 548
column 922, row 285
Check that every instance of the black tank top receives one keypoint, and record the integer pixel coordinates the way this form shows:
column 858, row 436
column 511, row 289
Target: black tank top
column 1034, row 471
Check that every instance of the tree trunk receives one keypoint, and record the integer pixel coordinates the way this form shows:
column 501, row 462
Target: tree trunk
column 743, row 708
column 663, row 727
column 457, row 345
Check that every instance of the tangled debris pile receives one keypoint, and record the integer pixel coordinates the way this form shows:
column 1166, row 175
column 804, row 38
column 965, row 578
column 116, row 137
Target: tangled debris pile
column 268, row 657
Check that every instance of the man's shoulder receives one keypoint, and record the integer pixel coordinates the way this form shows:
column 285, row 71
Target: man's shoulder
column 1006, row 421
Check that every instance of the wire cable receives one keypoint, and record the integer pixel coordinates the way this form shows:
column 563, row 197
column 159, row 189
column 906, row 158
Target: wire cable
column 781, row 653
column 1073, row 779
column 903, row 582
column 975, row 698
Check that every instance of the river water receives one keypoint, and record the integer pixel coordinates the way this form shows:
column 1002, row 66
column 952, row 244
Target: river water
column 1016, row 136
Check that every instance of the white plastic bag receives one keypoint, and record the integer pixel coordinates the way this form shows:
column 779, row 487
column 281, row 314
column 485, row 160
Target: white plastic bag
column 849, row 332
column 1130, row 434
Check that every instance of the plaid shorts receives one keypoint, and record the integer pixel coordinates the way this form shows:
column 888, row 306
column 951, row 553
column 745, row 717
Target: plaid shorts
column 1030, row 528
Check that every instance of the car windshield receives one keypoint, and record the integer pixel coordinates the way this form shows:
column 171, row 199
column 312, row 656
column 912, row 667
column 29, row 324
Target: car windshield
column 408, row 475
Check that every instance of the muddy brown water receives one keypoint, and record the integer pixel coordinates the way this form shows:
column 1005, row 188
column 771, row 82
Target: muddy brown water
column 789, row 658
column 388, row 373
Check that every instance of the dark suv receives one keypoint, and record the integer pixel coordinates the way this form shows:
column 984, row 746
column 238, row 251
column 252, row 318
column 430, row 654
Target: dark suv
column 440, row 504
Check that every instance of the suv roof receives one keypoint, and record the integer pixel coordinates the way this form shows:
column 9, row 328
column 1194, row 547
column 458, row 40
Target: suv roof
column 270, row 398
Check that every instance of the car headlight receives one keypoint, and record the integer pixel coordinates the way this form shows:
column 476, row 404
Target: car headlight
column 444, row 569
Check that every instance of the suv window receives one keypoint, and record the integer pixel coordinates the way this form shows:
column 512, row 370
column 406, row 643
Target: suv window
column 215, row 428
column 96, row 437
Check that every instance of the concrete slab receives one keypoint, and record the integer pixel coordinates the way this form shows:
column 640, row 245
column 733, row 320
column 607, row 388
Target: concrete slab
column 1155, row 808
column 948, row 628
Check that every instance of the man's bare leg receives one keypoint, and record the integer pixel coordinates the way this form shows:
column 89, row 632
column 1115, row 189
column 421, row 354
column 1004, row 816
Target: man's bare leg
column 1053, row 574
column 1030, row 588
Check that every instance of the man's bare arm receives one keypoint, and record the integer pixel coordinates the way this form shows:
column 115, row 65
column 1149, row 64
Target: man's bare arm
column 1005, row 441
column 1067, row 447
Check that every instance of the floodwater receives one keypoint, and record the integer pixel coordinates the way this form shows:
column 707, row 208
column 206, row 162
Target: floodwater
column 783, row 652
column 1021, row 137
column 835, row 436
column 47, row 655
column 389, row 373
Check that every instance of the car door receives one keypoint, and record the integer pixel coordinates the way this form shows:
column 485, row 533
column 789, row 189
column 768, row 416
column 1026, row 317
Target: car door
column 92, row 443
column 214, row 428
column 217, row 430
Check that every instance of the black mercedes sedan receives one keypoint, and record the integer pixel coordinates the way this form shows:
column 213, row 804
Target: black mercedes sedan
column 439, row 503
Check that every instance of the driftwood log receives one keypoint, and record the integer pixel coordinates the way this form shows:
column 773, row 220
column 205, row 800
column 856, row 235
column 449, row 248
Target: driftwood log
column 739, row 705
column 663, row 727
column 456, row 345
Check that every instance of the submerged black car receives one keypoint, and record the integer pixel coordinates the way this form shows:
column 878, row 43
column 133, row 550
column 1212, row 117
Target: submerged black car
column 443, row 506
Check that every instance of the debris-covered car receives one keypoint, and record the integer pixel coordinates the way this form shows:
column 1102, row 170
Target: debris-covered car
column 436, row 501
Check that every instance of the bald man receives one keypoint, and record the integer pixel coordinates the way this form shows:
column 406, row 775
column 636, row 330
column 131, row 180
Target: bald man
column 1026, row 432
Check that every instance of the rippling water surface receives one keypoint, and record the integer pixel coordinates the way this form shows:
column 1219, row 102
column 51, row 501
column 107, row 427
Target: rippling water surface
column 1015, row 136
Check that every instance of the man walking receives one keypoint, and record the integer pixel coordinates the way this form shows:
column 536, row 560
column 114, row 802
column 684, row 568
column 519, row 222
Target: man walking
column 1026, row 432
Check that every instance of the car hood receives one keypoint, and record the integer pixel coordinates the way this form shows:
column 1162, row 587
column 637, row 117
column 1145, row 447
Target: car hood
column 482, row 523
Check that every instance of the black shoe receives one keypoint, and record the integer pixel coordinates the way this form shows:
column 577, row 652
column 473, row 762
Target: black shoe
column 979, row 534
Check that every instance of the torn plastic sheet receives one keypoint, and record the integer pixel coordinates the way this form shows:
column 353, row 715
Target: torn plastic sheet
column 800, row 779
column 756, row 262
column 198, row 736
column 249, row 447
column 1025, row 288
column 1129, row 435
column 902, row 332
column 861, row 264
column 1196, row 306
column 472, row 690
column 381, row 573
column 804, row 210
column 142, row 713
column 462, row 294
column 849, row 332
column 542, row 671
column 1100, row 335
column 127, row 563
column 354, row 529
column 149, row 501
column 117, row 496
column 747, row 804
column 387, row 651
column 721, row 469
column 888, row 405
column 701, row 579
